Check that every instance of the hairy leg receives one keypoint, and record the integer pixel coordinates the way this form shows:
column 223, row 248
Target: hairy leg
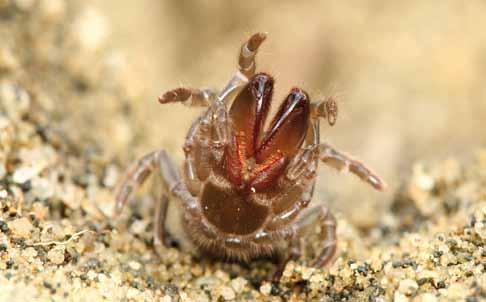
column 328, row 109
column 159, row 221
column 246, row 65
column 342, row 162
column 204, row 97
column 302, row 227
column 246, row 60
column 322, row 216
column 293, row 254
column 139, row 172
column 136, row 176
column 287, row 216
column 206, row 138
column 189, row 96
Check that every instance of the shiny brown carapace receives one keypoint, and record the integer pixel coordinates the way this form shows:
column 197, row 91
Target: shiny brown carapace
column 247, row 182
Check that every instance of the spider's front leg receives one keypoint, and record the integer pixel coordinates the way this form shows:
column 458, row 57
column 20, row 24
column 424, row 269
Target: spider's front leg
column 194, row 97
column 206, row 138
column 191, row 97
column 246, row 65
column 248, row 51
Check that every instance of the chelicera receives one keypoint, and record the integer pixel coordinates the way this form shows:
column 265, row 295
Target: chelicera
column 246, row 187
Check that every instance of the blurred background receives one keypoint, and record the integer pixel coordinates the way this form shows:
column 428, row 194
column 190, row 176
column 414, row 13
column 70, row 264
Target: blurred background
column 410, row 75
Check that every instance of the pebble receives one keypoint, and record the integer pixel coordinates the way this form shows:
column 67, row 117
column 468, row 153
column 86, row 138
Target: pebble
column 40, row 211
column 133, row 293
column 14, row 100
column 480, row 229
column 456, row 291
column 29, row 254
column 166, row 298
column 408, row 287
column 42, row 188
column 24, row 174
column 208, row 281
column 21, row 227
column 427, row 274
column 238, row 284
column 52, row 232
column 71, row 195
column 307, row 272
column 399, row 297
column 266, row 289
column 427, row 297
column 134, row 265
column 138, row 226
column 91, row 275
column 227, row 293
column 56, row 255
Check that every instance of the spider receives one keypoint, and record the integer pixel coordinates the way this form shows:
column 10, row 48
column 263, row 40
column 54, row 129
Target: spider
column 246, row 188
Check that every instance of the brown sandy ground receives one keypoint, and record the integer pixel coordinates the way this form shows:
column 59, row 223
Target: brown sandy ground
column 65, row 127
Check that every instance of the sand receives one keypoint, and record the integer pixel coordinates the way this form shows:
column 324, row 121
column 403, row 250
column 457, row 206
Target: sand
column 67, row 133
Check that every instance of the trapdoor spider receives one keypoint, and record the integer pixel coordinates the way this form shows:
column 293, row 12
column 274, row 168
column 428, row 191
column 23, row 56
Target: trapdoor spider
column 244, row 187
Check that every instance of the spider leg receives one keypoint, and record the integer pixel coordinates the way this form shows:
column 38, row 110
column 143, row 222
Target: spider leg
column 139, row 172
column 246, row 60
column 206, row 138
column 318, row 214
column 288, row 215
column 293, row 254
column 191, row 97
column 246, row 65
column 159, row 221
column 342, row 162
column 322, row 215
column 326, row 108
column 136, row 176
